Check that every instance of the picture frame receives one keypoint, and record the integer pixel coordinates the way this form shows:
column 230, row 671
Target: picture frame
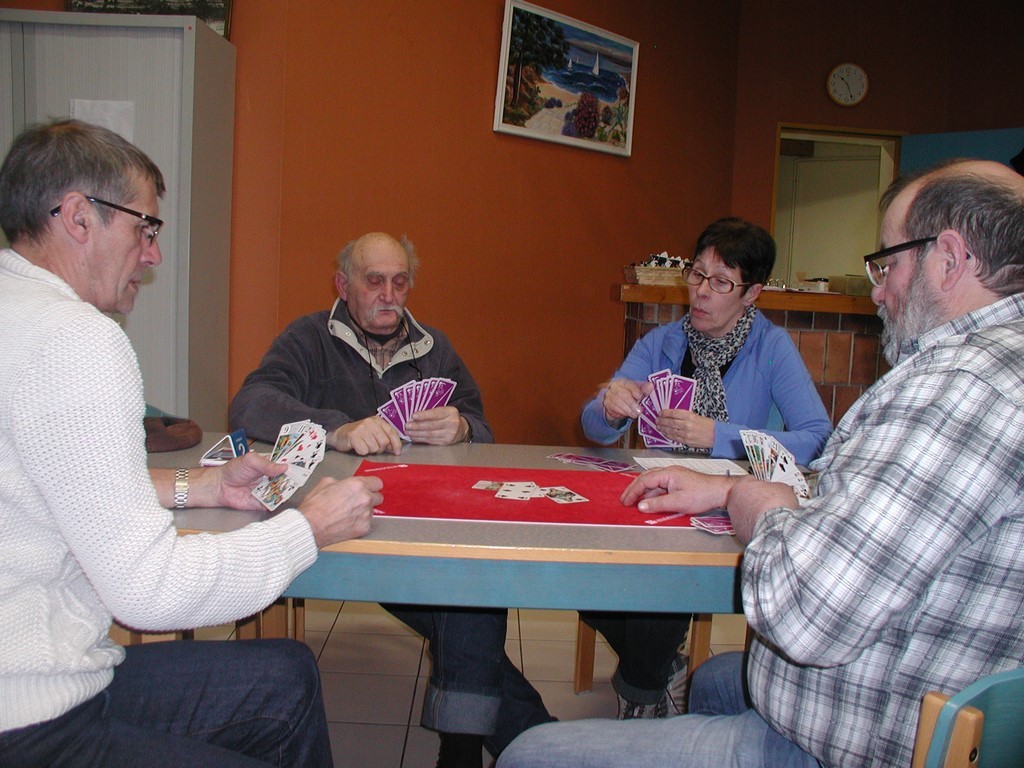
column 562, row 80
column 216, row 13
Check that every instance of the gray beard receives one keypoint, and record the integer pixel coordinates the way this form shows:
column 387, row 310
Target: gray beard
column 921, row 311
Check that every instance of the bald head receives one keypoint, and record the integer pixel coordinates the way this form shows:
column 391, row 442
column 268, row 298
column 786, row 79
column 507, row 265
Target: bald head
column 374, row 276
column 982, row 201
column 376, row 241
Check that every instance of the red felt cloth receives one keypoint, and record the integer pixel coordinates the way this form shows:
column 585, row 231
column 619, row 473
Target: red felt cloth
column 446, row 492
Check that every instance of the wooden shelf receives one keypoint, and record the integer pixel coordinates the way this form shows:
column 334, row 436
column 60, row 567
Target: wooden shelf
column 802, row 301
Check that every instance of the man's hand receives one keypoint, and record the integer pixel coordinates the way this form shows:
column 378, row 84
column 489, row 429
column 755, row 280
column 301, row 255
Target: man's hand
column 437, row 426
column 229, row 485
column 338, row 510
column 368, row 436
column 749, row 499
column 622, row 399
column 677, row 489
column 687, row 427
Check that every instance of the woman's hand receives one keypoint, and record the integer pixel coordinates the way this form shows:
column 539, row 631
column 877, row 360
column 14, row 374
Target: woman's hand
column 622, row 399
column 687, row 427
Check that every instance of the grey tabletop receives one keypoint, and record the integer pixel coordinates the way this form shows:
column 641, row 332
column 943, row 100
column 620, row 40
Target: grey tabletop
column 476, row 539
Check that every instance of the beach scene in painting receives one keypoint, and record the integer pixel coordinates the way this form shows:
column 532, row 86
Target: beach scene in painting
column 564, row 81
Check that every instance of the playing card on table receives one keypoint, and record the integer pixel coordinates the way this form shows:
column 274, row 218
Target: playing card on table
column 606, row 465
column 562, row 495
column 717, row 523
column 488, row 485
column 519, row 491
column 227, row 448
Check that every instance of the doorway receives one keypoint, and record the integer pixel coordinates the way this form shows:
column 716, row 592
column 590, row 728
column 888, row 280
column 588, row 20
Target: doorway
column 827, row 186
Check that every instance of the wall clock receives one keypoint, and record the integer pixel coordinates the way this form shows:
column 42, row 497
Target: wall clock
column 847, row 84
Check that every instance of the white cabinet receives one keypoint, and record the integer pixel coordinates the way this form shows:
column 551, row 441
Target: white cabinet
column 178, row 77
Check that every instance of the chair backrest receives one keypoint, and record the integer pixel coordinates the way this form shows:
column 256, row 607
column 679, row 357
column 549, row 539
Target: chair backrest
column 982, row 726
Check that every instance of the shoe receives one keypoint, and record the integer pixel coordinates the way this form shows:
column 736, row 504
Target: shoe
column 673, row 701
column 631, row 710
column 461, row 750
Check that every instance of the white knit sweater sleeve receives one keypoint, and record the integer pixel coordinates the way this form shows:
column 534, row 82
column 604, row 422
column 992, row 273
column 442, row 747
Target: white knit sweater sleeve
column 78, row 430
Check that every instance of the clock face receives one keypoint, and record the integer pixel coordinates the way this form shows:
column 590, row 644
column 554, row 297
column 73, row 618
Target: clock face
column 847, row 84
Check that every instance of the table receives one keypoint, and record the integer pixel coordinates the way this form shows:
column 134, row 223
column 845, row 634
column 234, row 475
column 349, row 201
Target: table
column 520, row 565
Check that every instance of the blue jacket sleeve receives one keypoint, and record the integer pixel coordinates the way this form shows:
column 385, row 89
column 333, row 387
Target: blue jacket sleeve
column 773, row 373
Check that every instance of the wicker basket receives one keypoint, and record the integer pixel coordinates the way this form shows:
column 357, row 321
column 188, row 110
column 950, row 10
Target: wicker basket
column 653, row 275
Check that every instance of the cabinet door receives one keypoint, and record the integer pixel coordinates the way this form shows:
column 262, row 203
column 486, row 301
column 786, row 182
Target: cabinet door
column 143, row 66
column 177, row 75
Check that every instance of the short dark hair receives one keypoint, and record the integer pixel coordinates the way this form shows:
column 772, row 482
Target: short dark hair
column 987, row 213
column 47, row 161
column 739, row 243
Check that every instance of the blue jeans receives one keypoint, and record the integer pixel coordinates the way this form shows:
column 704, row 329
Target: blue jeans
column 721, row 731
column 646, row 644
column 194, row 703
column 474, row 687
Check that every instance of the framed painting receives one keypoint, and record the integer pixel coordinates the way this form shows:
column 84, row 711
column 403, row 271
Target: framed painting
column 565, row 81
column 216, row 13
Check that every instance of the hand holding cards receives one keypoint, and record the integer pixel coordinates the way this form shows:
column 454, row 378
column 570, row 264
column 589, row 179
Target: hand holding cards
column 412, row 397
column 301, row 446
column 770, row 461
column 670, row 392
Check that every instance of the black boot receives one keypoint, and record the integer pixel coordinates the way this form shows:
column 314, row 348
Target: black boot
column 461, row 750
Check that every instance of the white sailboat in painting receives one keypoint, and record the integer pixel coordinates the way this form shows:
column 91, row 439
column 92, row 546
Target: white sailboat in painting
column 597, row 64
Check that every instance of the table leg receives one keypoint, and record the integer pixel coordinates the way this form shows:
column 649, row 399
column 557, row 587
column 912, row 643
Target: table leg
column 700, row 640
column 583, row 668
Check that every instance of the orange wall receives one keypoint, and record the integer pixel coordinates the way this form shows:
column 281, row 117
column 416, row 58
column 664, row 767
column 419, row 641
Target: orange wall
column 355, row 116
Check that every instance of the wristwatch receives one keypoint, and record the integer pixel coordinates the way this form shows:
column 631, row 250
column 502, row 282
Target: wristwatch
column 180, row 488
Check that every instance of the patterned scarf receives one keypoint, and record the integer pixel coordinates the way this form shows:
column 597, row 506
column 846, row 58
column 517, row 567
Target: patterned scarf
column 710, row 356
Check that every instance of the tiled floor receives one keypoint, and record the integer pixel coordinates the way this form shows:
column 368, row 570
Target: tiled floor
column 374, row 669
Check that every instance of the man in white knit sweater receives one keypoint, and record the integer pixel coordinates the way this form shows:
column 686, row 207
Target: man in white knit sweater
column 85, row 530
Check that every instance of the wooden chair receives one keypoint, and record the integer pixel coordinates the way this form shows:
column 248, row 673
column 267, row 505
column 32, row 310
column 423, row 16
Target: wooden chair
column 983, row 725
column 586, row 640
column 285, row 617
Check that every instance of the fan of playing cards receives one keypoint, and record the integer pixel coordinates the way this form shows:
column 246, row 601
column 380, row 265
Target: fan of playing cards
column 301, row 446
column 769, row 460
column 670, row 391
column 415, row 396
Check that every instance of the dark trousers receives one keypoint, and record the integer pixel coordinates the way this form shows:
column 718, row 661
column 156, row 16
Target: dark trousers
column 194, row 703
column 474, row 687
column 646, row 644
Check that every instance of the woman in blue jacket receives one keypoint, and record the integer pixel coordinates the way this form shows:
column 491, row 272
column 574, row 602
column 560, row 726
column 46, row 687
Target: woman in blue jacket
column 749, row 375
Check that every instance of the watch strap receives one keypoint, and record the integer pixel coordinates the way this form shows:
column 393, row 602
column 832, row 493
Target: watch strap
column 181, row 486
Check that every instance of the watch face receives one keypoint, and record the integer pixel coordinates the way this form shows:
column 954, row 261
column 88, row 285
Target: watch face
column 847, row 84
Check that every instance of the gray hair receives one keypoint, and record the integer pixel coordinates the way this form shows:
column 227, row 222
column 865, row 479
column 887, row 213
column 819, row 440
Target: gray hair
column 47, row 161
column 988, row 214
column 345, row 258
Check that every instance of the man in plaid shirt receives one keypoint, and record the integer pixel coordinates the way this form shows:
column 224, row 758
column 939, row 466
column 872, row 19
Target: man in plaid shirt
column 904, row 573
